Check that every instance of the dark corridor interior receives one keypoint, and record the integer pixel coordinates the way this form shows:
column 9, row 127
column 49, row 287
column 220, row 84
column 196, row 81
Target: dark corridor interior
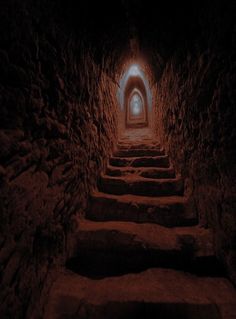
column 117, row 159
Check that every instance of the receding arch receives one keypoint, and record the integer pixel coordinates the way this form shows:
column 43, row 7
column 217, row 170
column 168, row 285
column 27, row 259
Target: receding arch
column 136, row 104
column 135, row 85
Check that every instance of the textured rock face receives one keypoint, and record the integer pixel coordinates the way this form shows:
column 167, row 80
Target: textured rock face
column 196, row 125
column 58, row 124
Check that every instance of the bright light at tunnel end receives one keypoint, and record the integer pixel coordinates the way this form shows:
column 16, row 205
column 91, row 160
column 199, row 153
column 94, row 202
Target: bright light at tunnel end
column 134, row 70
column 136, row 104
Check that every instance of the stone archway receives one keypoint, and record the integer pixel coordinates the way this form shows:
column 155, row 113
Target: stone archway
column 135, row 90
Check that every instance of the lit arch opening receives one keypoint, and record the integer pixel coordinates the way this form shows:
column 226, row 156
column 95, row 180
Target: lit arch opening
column 135, row 99
column 136, row 110
column 136, row 105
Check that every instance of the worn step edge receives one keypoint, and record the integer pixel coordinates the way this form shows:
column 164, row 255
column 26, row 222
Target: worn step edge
column 128, row 236
column 143, row 161
column 147, row 172
column 138, row 152
column 134, row 146
column 112, row 248
column 155, row 292
column 168, row 211
column 140, row 185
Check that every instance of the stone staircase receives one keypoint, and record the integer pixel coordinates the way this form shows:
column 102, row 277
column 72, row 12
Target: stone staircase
column 140, row 252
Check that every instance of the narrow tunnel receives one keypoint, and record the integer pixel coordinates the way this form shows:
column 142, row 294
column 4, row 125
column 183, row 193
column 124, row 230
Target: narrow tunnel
column 135, row 104
column 117, row 159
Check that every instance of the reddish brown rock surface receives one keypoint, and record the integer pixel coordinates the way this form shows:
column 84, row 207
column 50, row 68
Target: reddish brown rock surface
column 156, row 292
column 62, row 129
column 107, row 253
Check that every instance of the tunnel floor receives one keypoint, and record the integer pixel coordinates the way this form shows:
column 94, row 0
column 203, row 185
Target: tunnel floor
column 139, row 251
column 136, row 136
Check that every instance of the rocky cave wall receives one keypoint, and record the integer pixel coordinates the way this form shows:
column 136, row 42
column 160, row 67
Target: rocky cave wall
column 58, row 126
column 58, row 122
column 195, row 120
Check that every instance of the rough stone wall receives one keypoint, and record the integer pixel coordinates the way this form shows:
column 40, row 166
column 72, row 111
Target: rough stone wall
column 57, row 128
column 195, row 120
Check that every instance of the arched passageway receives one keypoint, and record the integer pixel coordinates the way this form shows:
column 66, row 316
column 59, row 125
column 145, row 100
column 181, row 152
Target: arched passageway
column 135, row 103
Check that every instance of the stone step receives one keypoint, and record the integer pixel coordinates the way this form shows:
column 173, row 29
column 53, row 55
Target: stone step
column 149, row 172
column 145, row 161
column 167, row 211
column 137, row 146
column 138, row 152
column 138, row 185
column 154, row 293
column 111, row 247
